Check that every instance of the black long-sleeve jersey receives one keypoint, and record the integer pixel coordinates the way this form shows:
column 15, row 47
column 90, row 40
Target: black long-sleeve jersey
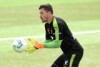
column 58, row 30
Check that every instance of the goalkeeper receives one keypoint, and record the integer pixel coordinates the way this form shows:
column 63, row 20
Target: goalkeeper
column 59, row 35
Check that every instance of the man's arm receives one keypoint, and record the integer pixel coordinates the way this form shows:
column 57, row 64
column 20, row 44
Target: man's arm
column 53, row 44
column 49, row 42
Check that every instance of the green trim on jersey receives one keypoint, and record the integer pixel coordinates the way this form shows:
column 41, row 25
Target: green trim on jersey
column 46, row 41
column 72, row 59
column 54, row 43
column 55, row 26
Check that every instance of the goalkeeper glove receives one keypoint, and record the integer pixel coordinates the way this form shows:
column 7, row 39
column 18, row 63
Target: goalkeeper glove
column 36, row 44
column 30, row 46
column 39, row 45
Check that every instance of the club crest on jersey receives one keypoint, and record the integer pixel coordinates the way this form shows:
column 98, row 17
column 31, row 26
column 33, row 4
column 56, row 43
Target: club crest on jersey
column 49, row 31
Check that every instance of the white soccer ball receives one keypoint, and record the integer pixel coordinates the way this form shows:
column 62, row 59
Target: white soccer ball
column 19, row 45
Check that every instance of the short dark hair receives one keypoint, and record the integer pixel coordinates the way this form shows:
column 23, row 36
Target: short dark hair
column 47, row 7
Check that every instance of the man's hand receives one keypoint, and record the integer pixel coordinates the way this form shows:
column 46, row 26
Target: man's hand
column 30, row 47
column 33, row 45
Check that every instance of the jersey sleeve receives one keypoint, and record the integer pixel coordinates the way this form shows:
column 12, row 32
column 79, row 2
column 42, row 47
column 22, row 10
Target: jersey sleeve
column 52, row 44
column 49, row 43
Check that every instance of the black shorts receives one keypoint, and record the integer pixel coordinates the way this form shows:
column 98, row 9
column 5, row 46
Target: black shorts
column 71, row 60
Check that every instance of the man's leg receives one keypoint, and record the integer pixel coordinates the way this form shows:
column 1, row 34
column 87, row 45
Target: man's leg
column 77, row 60
column 59, row 61
column 73, row 60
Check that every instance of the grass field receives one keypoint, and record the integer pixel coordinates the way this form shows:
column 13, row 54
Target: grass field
column 21, row 18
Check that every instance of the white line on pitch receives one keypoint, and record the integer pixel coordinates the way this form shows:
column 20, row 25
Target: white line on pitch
column 42, row 36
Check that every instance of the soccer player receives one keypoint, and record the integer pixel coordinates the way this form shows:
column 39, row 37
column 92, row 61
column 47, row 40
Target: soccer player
column 59, row 35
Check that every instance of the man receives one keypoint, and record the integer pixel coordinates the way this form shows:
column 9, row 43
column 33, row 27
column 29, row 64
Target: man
column 59, row 35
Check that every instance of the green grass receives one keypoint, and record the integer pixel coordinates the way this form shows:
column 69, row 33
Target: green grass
column 21, row 3
column 21, row 18
column 91, row 46
column 29, row 30
column 36, row 59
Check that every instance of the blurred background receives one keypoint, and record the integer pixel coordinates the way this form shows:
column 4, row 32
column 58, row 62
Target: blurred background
column 20, row 18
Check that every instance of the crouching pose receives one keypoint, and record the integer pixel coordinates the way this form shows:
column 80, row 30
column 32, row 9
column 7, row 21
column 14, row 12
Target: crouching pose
column 58, row 35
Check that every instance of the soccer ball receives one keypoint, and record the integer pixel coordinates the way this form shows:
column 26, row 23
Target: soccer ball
column 19, row 45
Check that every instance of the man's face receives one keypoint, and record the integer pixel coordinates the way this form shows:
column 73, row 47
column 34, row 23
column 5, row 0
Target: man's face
column 43, row 15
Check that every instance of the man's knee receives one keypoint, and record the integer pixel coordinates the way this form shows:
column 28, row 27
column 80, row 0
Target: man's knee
column 54, row 65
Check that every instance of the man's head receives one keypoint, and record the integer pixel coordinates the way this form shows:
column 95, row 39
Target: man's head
column 45, row 12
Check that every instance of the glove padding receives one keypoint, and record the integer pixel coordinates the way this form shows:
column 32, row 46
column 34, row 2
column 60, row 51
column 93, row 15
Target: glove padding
column 30, row 48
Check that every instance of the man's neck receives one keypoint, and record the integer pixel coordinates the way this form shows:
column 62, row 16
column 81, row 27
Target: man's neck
column 50, row 19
